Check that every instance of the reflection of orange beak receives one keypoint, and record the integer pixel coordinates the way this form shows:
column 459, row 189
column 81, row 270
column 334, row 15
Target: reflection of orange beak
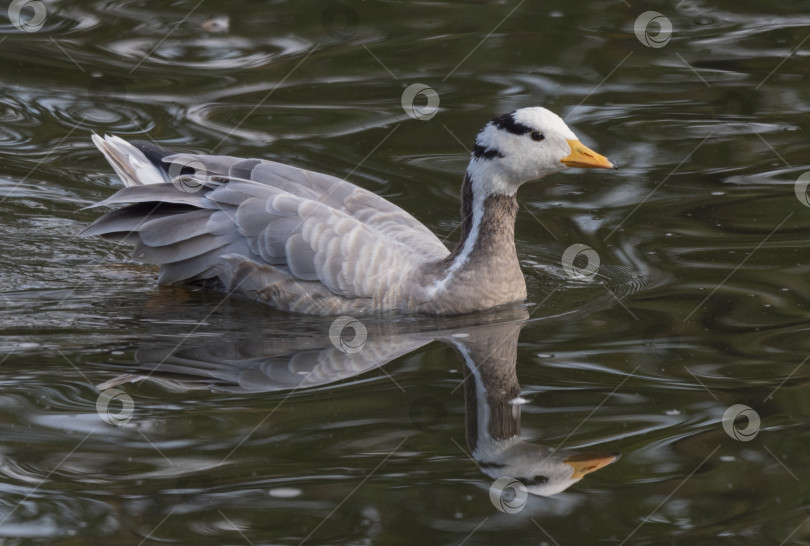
column 585, row 463
column 583, row 157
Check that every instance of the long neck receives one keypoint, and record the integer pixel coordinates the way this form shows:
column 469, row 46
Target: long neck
column 487, row 228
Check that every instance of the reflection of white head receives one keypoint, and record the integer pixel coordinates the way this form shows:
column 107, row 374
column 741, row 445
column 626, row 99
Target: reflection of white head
column 542, row 470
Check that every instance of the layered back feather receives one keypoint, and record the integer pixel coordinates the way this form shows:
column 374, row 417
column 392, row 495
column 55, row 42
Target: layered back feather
column 299, row 240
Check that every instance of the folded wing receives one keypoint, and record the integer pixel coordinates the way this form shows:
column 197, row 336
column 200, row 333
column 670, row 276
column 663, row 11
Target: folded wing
column 216, row 217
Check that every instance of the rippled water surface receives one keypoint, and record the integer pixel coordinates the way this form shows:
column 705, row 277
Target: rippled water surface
column 697, row 313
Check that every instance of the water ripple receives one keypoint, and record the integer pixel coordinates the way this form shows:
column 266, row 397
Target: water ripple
column 223, row 52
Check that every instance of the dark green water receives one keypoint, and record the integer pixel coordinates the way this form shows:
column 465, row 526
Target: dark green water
column 700, row 301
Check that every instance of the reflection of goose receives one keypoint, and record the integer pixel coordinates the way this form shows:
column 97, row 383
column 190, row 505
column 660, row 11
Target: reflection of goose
column 311, row 243
column 291, row 360
column 492, row 395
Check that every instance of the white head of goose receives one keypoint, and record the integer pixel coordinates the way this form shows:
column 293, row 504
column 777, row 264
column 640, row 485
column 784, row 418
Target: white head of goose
column 311, row 243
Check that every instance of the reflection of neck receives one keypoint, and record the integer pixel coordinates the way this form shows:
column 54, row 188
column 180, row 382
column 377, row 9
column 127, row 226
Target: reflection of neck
column 490, row 389
column 491, row 394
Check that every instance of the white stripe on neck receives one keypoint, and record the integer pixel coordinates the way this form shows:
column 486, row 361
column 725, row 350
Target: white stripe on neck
column 482, row 409
column 477, row 208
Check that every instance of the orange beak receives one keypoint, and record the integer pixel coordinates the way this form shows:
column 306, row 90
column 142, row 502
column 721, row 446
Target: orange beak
column 585, row 463
column 583, row 157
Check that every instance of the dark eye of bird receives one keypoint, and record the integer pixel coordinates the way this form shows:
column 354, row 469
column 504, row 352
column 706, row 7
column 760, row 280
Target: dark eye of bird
column 537, row 136
column 536, row 480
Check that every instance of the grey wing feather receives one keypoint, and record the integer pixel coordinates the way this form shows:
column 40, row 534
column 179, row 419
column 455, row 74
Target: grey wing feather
column 153, row 193
column 129, row 219
column 361, row 204
column 190, row 248
column 297, row 239
column 364, row 205
column 167, row 230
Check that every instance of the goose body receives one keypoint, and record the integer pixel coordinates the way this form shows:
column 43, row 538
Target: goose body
column 311, row 243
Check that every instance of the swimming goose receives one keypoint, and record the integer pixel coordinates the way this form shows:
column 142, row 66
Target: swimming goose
column 311, row 243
